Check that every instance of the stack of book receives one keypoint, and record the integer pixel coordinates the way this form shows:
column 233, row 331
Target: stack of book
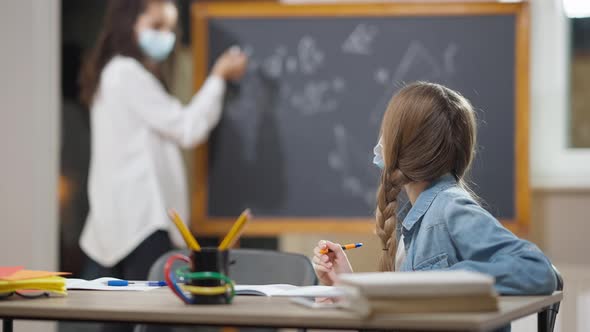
column 31, row 282
column 419, row 292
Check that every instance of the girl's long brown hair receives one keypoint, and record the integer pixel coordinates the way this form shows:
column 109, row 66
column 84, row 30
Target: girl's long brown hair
column 116, row 38
column 428, row 130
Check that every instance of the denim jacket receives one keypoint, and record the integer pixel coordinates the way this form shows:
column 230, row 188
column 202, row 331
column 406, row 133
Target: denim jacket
column 447, row 229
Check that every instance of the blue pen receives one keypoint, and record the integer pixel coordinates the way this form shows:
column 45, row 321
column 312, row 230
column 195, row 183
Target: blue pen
column 127, row 283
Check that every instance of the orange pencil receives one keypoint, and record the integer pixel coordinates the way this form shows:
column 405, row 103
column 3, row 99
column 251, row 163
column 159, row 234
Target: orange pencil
column 344, row 247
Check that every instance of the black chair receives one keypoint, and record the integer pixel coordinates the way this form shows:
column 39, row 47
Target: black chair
column 546, row 318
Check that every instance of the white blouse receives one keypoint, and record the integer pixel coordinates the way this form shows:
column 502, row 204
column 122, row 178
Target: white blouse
column 136, row 168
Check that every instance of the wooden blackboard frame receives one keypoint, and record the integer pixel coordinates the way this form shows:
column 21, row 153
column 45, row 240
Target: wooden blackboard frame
column 202, row 12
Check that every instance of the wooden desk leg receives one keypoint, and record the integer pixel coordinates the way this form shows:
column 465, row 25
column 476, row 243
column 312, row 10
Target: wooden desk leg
column 7, row 325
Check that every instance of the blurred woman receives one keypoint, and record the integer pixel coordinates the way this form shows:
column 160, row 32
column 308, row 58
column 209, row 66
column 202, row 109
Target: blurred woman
column 136, row 168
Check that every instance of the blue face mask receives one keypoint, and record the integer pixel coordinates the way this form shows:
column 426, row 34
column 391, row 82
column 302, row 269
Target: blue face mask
column 156, row 44
column 378, row 152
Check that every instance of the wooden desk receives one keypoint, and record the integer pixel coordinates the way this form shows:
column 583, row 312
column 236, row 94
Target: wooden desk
column 161, row 307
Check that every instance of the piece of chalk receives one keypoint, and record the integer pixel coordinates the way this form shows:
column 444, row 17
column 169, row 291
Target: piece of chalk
column 235, row 49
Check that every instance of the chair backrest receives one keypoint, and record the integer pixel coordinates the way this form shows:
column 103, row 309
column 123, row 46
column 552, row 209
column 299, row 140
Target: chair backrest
column 248, row 267
column 256, row 267
column 157, row 268
column 559, row 278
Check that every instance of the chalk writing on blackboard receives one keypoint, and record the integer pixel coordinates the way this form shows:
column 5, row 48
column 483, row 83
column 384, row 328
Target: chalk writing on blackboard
column 338, row 84
column 360, row 40
column 273, row 64
column 252, row 61
column 310, row 56
column 381, row 75
column 449, row 59
column 347, row 156
column 291, row 65
column 316, row 97
column 417, row 62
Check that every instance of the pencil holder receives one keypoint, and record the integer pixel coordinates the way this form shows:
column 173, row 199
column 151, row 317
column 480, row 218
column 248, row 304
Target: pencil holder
column 205, row 279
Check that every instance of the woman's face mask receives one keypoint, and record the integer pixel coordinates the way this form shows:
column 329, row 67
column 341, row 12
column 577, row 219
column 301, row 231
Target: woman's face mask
column 378, row 152
column 157, row 44
column 155, row 30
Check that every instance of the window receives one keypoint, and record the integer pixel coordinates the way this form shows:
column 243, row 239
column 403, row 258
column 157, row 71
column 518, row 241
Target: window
column 579, row 120
column 555, row 163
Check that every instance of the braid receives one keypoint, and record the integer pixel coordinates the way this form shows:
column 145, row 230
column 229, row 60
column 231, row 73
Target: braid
column 389, row 189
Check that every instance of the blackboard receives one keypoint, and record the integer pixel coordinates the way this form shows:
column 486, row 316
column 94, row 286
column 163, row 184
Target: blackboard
column 296, row 136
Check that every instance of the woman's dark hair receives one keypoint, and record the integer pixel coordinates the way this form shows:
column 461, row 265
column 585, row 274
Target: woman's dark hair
column 116, row 38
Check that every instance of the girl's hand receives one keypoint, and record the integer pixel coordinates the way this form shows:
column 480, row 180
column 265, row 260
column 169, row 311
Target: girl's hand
column 231, row 65
column 328, row 266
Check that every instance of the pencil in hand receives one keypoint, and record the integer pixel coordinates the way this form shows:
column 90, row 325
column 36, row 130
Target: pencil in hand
column 344, row 247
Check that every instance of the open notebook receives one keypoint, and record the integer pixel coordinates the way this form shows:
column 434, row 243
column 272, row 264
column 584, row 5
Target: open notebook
column 286, row 290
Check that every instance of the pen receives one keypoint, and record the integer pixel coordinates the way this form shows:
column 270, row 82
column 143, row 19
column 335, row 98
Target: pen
column 142, row 283
column 344, row 247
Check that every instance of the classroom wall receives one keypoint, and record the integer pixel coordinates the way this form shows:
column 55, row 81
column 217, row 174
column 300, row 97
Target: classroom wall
column 561, row 225
column 29, row 136
column 561, row 228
